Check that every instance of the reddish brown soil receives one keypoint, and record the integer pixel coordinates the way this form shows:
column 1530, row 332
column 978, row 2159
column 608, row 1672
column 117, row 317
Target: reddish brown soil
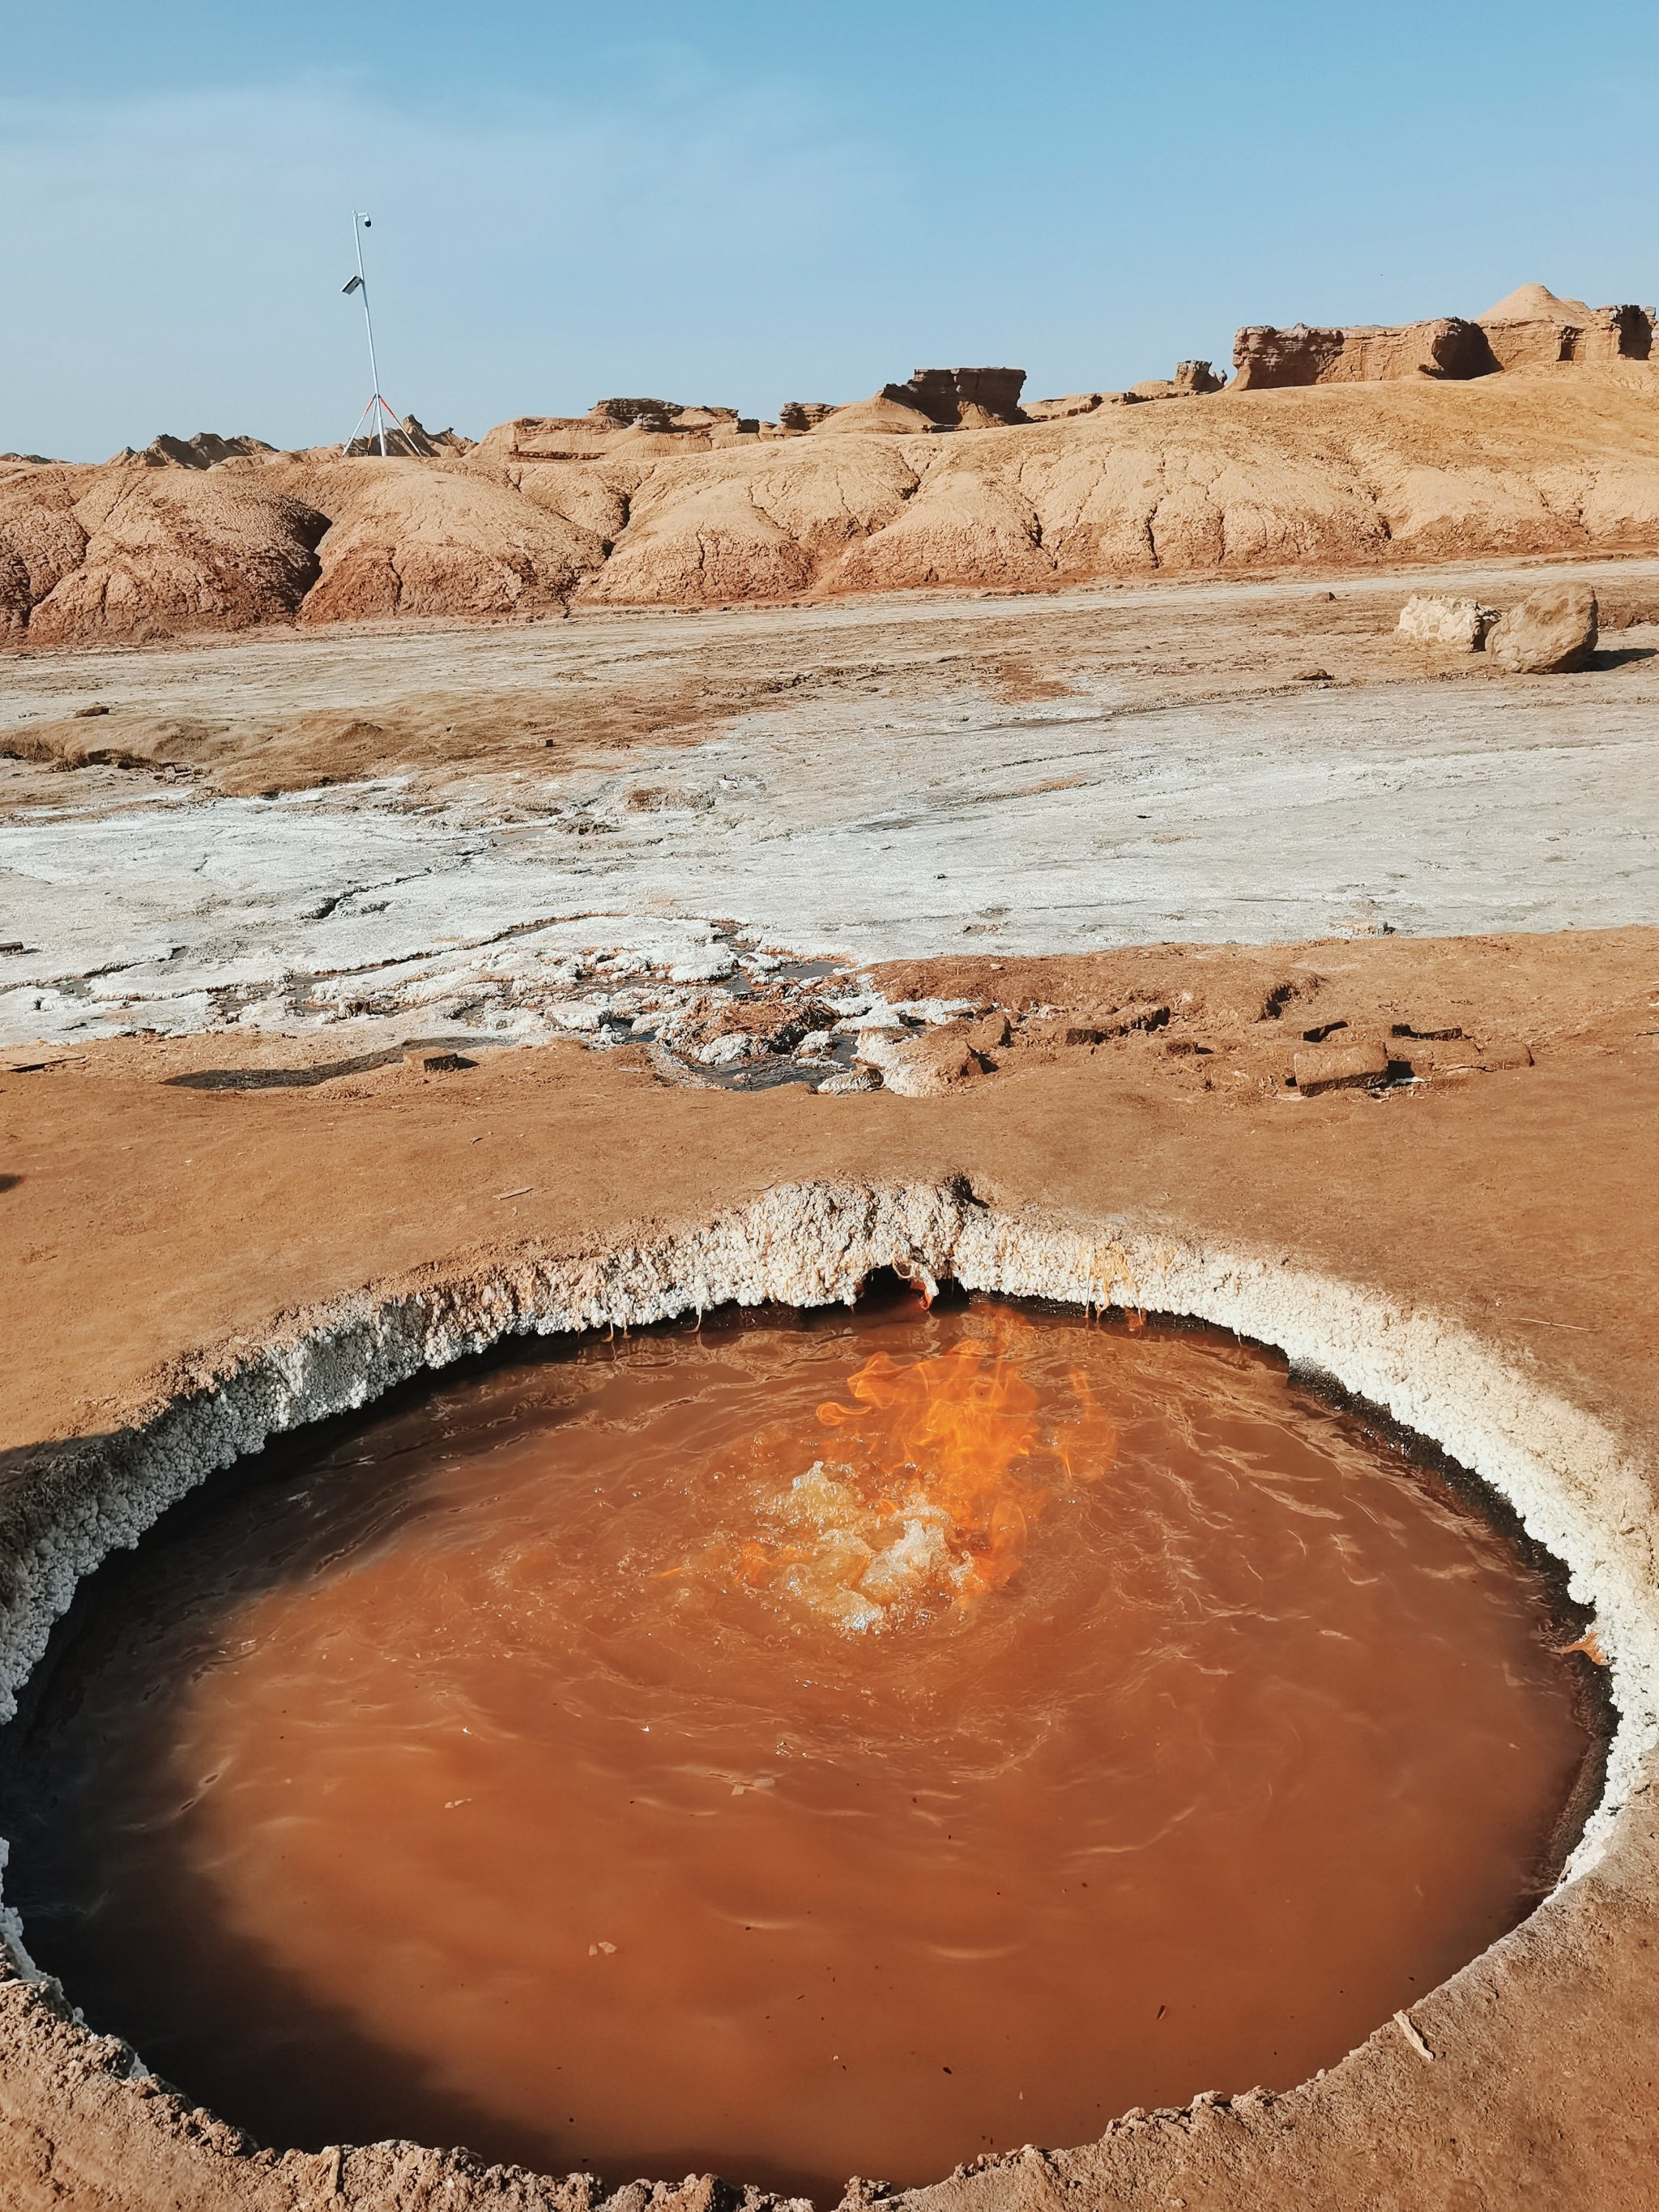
column 147, row 1223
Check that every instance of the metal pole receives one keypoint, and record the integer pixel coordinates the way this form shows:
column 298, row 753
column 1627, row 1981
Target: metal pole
column 368, row 325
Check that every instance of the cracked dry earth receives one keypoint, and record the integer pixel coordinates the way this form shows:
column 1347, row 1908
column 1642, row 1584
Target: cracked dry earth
column 1205, row 925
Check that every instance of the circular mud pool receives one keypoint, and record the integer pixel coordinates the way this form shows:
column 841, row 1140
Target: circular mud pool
column 802, row 1746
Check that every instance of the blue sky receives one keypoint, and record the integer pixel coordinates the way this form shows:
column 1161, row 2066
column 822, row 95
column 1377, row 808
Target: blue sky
column 745, row 204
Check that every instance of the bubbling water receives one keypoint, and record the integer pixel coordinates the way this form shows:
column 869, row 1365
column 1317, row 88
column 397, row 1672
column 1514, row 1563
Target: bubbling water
column 940, row 1465
column 798, row 1746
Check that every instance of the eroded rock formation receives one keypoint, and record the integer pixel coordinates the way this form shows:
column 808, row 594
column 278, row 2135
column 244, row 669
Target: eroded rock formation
column 961, row 398
column 1269, row 359
column 1531, row 328
column 530, row 521
column 1193, row 380
column 607, row 422
column 203, row 451
column 1072, row 402
column 411, row 441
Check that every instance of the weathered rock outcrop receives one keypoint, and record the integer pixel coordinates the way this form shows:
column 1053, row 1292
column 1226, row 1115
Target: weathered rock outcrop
column 961, row 398
column 1196, row 377
column 1073, row 402
column 178, row 550
column 407, row 538
column 932, row 399
column 662, row 414
column 42, row 539
column 409, row 440
column 203, row 451
column 607, row 422
column 878, row 417
column 1193, row 380
column 767, row 523
column 1532, row 329
column 1269, row 359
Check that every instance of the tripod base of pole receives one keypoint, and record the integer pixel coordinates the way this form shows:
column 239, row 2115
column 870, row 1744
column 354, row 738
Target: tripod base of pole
column 378, row 422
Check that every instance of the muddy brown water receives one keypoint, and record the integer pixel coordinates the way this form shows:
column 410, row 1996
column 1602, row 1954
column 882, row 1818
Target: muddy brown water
column 799, row 1747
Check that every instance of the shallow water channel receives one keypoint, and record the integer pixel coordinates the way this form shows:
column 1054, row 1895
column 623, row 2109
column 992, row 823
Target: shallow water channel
column 800, row 1746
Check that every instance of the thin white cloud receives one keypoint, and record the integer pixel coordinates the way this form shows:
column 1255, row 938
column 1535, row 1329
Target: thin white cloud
column 179, row 261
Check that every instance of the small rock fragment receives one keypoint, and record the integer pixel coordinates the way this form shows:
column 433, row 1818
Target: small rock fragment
column 879, row 1047
column 1356, row 1066
column 1549, row 633
column 932, row 1065
column 1505, row 1051
column 446, row 1063
column 1062, row 1031
column 728, row 1051
column 989, row 1033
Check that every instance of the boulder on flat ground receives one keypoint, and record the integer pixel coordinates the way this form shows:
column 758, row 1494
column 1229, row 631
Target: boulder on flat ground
column 1548, row 632
column 1432, row 618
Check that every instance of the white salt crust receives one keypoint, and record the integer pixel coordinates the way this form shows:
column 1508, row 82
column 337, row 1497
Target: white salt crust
column 1577, row 1490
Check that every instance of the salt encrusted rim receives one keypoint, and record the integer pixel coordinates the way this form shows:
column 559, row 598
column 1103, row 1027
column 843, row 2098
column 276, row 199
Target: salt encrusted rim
column 1576, row 1487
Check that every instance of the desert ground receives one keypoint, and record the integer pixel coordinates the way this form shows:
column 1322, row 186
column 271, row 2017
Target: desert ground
column 507, row 835
column 538, row 893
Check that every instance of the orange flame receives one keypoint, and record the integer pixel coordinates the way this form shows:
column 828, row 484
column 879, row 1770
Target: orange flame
column 939, row 1468
column 958, row 1432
